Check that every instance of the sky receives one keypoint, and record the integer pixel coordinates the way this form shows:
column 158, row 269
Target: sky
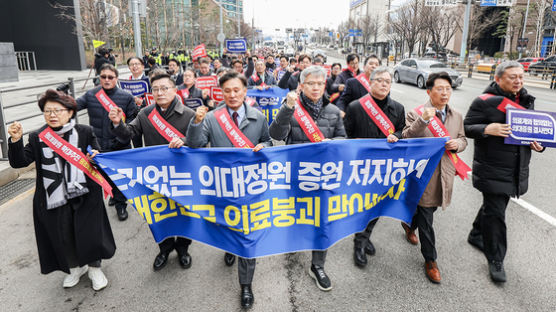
column 272, row 14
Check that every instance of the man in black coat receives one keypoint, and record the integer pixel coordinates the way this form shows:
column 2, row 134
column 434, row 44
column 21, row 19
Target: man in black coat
column 98, row 119
column 354, row 90
column 499, row 170
column 359, row 124
column 290, row 80
column 352, row 70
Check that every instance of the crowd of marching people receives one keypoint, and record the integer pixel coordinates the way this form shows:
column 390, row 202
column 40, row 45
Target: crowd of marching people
column 325, row 102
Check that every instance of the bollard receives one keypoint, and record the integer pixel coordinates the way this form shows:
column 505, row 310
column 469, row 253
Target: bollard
column 492, row 70
column 553, row 81
column 544, row 73
column 470, row 70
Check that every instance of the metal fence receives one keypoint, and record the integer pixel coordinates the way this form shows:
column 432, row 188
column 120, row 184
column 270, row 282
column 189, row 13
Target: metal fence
column 26, row 60
column 20, row 104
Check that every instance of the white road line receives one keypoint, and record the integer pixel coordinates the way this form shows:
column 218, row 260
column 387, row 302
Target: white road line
column 536, row 211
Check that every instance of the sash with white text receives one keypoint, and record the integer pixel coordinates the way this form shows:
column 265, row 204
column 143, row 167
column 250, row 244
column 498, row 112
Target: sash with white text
column 377, row 115
column 163, row 127
column 105, row 101
column 233, row 133
column 307, row 123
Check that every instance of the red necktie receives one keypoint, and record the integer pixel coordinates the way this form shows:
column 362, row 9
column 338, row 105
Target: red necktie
column 234, row 116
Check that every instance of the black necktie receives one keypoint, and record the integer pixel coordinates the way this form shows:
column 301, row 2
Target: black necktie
column 439, row 115
column 234, row 116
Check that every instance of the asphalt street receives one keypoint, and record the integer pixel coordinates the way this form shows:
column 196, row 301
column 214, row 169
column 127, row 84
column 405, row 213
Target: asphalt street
column 393, row 280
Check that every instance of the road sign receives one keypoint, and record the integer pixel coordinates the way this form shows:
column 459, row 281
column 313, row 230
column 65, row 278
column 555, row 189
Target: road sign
column 440, row 2
column 496, row 2
column 221, row 37
column 553, row 5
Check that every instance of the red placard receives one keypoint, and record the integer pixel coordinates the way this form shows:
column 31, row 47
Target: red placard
column 150, row 98
column 206, row 82
column 328, row 69
column 199, row 51
column 216, row 94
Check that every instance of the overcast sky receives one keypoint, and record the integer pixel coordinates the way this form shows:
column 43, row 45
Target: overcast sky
column 272, row 14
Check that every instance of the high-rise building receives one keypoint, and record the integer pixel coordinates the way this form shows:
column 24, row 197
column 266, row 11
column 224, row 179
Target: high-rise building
column 233, row 8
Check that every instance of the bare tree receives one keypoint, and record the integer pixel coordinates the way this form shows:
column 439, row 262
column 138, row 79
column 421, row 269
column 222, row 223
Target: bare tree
column 370, row 28
column 441, row 24
column 480, row 21
column 407, row 22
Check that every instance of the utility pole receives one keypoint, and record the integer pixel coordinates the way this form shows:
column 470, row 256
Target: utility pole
column 136, row 27
column 238, row 19
column 524, row 27
column 463, row 48
column 221, row 30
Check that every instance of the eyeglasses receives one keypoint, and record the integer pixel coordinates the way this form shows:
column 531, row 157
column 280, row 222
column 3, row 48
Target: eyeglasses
column 161, row 89
column 107, row 77
column 315, row 83
column 134, row 64
column 56, row 112
column 381, row 80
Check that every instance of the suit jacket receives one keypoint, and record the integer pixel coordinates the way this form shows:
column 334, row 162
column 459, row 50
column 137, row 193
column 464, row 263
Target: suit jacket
column 353, row 90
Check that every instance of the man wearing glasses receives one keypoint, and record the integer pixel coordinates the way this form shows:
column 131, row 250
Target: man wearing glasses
column 163, row 123
column 360, row 124
column 98, row 102
column 309, row 117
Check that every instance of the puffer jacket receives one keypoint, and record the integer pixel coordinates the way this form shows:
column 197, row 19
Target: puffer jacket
column 498, row 168
column 285, row 126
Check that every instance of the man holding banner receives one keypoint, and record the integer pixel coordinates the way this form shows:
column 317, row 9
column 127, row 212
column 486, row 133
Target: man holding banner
column 261, row 79
column 436, row 119
column 163, row 123
column 499, row 170
column 309, row 117
column 98, row 102
column 374, row 116
column 235, row 124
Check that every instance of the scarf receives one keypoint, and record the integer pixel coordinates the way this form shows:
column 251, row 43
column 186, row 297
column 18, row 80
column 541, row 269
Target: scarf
column 314, row 108
column 61, row 180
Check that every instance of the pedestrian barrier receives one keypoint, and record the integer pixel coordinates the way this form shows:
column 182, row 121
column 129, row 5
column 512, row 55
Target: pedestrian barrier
column 470, row 70
column 15, row 110
column 553, row 80
column 25, row 59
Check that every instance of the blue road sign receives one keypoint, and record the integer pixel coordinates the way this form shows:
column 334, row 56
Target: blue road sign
column 553, row 5
column 488, row 2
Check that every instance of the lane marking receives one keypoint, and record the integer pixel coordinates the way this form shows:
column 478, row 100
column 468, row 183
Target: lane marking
column 536, row 211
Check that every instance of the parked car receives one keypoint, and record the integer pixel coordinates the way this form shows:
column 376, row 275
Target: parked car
column 526, row 62
column 416, row 71
column 440, row 56
column 321, row 53
column 539, row 67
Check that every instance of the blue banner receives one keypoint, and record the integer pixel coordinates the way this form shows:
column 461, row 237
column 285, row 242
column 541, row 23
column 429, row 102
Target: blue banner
column 281, row 199
column 193, row 103
column 236, row 45
column 135, row 87
column 530, row 125
column 269, row 100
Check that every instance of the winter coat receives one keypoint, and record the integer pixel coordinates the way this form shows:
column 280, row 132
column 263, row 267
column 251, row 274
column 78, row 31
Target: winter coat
column 179, row 117
column 93, row 235
column 268, row 80
column 290, row 80
column 439, row 190
column 358, row 124
column 285, row 126
column 498, row 168
column 353, row 91
column 343, row 77
column 254, row 126
column 98, row 116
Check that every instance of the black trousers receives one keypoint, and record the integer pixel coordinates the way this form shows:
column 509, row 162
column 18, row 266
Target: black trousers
column 361, row 238
column 245, row 270
column 422, row 220
column 490, row 223
column 180, row 244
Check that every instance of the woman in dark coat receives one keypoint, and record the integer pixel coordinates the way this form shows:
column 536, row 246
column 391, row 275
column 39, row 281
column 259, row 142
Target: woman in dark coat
column 71, row 226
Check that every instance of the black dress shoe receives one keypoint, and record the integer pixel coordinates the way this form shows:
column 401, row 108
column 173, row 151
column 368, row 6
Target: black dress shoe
column 247, row 297
column 229, row 259
column 359, row 257
column 111, row 201
column 497, row 272
column 185, row 260
column 160, row 261
column 122, row 214
column 370, row 248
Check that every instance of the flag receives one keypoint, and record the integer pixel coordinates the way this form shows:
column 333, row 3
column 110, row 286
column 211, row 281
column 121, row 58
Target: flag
column 97, row 43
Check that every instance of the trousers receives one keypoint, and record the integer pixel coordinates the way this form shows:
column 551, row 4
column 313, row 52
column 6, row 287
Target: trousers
column 422, row 220
column 180, row 244
column 362, row 238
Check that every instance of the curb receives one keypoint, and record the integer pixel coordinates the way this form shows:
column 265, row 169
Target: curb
column 9, row 174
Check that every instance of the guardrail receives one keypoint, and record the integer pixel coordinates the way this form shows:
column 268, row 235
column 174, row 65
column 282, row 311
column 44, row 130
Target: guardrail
column 16, row 100
column 25, row 59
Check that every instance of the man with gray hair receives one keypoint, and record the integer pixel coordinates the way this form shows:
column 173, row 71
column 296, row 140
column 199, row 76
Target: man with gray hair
column 499, row 170
column 309, row 117
column 360, row 124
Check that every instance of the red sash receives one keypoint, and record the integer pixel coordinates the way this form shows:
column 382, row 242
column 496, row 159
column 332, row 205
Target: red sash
column 233, row 133
column 105, row 101
column 439, row 130
column 307, row 123
column 250, row 101
column 377, row 115
column 184, row 93
column 334, row 96
column 74, row 156
column 256, row 78
column 163, row 127
column 506, row 103
column 363, row 81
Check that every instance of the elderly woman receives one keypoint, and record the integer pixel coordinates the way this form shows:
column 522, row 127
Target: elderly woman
column 71, row 226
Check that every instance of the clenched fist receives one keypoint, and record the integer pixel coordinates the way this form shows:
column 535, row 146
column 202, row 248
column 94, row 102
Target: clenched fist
column 291, row 99
column 15, row 130
column 200, row 113
column 116, row 114
column 429, row 113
